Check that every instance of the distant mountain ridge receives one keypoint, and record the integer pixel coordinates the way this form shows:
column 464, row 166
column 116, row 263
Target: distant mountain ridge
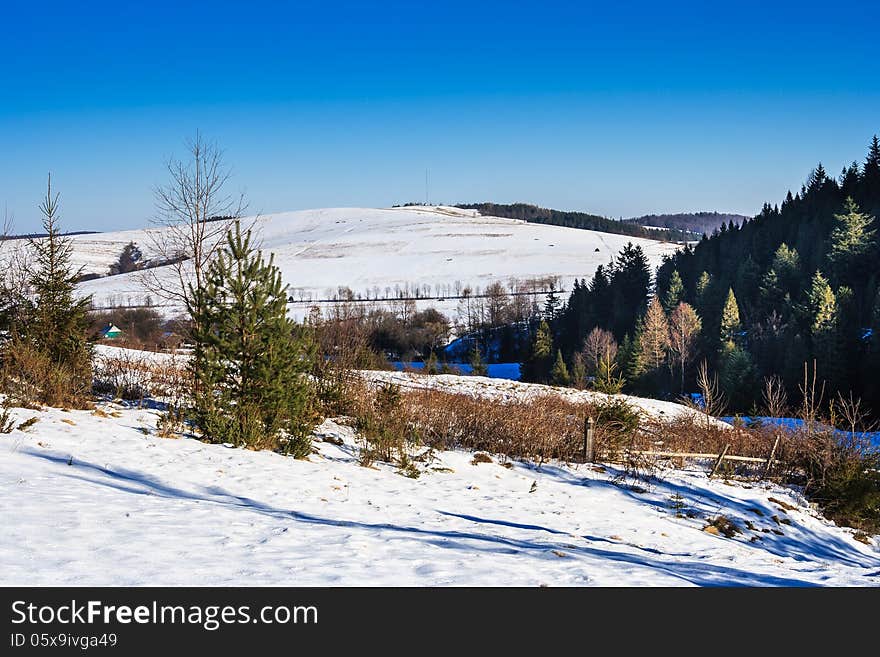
column 695, row 222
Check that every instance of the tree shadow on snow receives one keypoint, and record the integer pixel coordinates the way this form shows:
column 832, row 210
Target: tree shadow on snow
column 694, row 572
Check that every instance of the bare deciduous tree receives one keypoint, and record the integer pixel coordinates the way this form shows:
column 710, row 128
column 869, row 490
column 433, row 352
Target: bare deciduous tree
column 598, row 344
column 684, row 329
column 811, row 402
column 712, row 403
column 194, row 212
column 850, row 413
column 654, row 336
column 774, row 397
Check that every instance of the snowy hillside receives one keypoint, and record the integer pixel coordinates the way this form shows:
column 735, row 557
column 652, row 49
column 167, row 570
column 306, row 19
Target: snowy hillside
column 378, row 252
column 99, row 499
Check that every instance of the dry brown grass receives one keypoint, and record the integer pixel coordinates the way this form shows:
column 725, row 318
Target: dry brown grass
column 545, row 428
column 28, row 378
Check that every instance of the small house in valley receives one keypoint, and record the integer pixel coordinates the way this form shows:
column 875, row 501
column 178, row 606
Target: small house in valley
column 111, row 332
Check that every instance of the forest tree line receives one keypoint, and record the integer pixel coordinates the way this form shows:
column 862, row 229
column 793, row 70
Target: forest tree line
column 794, row 287
column 582, row 220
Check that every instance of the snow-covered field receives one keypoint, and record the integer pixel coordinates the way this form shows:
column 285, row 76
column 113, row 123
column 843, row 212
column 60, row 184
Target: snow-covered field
column 100, row 499
column 379, row 251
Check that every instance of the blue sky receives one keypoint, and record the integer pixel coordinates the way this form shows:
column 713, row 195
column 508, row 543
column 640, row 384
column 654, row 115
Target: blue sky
column 618, row 110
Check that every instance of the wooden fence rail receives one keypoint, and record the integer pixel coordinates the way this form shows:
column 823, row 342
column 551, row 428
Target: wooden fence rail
column 697, row 455
column 767, row 462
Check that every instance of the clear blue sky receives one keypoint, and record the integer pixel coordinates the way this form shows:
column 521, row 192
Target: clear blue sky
column 615, row 108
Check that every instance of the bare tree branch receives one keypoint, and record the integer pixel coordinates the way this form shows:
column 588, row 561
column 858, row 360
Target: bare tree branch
column 193, row 213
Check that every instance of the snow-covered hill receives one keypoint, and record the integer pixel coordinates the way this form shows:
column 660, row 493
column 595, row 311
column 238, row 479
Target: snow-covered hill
column 378, row 252
column 99, row 499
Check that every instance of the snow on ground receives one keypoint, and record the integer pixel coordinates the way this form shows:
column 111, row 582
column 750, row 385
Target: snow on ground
column 478, row 386
column 372, row 251
column 506, row 390
column 102, row 500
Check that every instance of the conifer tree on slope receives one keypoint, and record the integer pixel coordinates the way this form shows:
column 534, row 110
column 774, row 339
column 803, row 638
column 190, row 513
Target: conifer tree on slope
column 853, row 244
column 674, row 293
column 49, row 347
column 822, row 309
column 559, row 375
column 250, row 359
column 735, row 367
column 536, row 368
column 478, row 365
column 730, row 322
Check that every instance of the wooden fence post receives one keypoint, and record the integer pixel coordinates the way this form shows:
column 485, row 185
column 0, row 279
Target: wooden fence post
column 769, row 463
column 589, row 424
column 720, row 458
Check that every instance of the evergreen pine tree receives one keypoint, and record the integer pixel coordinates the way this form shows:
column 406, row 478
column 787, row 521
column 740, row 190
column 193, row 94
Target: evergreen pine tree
column 871, row 170
column 131, row 259
column 431, row 366
column 559, row 375
column 608, row 378
column 629, row 357
column 737, row 375
column 852, row 245
column 478, row 365
column 537, row 365
column 250, row 360
column 822, row 307
column 630, row 283
column 552, row 305
column 703, row 283
column 578, row 372
column 49, row 350
column 730, row 323
column 675, row 292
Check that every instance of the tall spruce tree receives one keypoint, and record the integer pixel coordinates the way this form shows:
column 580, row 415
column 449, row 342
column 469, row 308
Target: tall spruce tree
column 552, row 304
column 478, row 365
column 853, row 244
column 559, row 375
column 822, row 307
column 702, row 289
column 49, row 347
column 537, row 365
column 731, row 327
column 630, row 282
column 674, row 293
column 250, row 359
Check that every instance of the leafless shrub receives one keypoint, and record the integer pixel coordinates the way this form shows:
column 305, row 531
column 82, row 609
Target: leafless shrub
column 712, row 403
column 343, row 344
column 812, row 395
column 134, row 376
column 849, row 414
column 775, row 400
